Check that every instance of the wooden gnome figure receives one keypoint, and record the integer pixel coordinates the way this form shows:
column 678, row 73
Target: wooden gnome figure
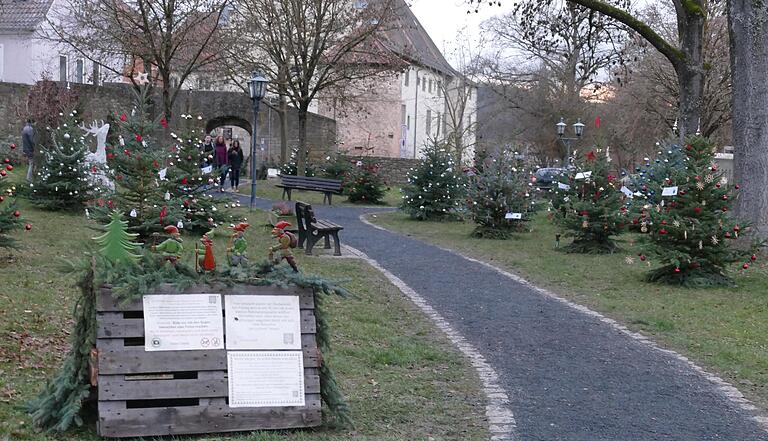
column 208, row 262
column 171, row 247
column 285, row 241
column 238, row 245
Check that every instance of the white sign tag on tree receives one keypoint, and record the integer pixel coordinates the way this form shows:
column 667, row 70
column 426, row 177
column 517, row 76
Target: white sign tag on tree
column 627, row 192
column 183, row 322
column 583, row 175
column 265, row 378
column 262, row 322
column 513, row 216
column 562, row 186
column 669, row 191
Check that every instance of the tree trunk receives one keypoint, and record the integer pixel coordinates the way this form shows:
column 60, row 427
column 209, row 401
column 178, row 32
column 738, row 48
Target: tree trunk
column 301, row 155
column 283, row 112
column 690, row 73
column 749, row 66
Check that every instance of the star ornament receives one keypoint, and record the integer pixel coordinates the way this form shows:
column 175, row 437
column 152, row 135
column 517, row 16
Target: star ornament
column 142, row 78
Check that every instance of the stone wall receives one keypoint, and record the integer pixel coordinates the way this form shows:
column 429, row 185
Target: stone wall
column 394, row 170
column 216, row 108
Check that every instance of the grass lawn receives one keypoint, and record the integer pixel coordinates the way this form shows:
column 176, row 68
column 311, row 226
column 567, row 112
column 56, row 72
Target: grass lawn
column 401, row 377
column 723, row 329
column 267, row 190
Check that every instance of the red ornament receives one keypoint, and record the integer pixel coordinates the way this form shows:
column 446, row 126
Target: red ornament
column 7, row 161
column 725, row 209
column 28, row 227
column 123, row 117
column 697, row 210
column 3, row 173
column 127, row 152
column 611, row 178
column 737, row 186
column 635, row 221
column 725, row 197
column 155, row 164
column 189, row 158
column 164, row 122
column 689, row 147
column 714, row 168
column 698, row 178
column 110, row 155
column 186, row 203
column 162, row 215
column 727, row 234
column 663, row 231
column 736, row 228
column 717, row 185
column 745, row 266
column 13, row 146
column 753, row 258
column 681, row 193
column 591, row 156
column 110, row 204
column 663, row 222
column 17, row 213
column 597, row 122
column 642, row 258
column 9, row 167
column 139, row 138
column 94, row 169
column 184, row 180
column 677, row 270
column 2, row 198
column 119, row 177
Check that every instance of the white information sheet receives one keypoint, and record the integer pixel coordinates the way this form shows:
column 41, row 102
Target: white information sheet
column 669, row 191
column 262, row 322
column 265, row 378
column 627, row 192
column 183, row 322
column 562, row 186
column 582, row 175
column 513, row 216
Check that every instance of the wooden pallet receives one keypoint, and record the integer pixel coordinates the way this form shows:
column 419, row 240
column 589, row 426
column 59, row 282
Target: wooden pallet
column 185, row 392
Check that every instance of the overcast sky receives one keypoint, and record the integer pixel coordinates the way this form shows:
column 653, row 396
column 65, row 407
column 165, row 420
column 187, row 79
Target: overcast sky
column 444, row 19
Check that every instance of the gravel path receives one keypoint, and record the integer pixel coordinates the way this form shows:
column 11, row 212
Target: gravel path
column 569, row 376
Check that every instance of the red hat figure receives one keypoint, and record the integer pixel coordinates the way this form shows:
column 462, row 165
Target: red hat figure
column 208, row 262
column 285, row 241
column 237, row 249
column 171, row 247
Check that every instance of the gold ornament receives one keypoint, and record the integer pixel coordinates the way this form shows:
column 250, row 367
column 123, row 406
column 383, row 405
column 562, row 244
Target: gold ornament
column 643, row 229
column 585, row 225
column 700, row 185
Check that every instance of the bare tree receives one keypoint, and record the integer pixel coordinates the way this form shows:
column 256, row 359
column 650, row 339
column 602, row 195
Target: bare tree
column 166, row 39
column 309, row 46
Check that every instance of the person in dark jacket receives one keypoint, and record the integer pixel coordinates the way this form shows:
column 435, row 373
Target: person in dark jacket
column 220, row 161
column 235, row 157
column 206, row 149
column 28, row 147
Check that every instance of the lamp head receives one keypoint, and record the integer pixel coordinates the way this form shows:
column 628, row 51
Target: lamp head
column 578, row 128
column 561, row 127
column 257, row 86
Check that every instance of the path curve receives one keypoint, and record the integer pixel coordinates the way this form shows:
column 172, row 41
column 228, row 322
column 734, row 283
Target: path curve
column 569, row 375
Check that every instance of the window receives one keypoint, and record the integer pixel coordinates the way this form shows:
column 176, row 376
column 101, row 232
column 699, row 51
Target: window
column 429, row 123
column 423, row 85
column 96, row 74
column 408, row 122
column 407, row 77
column 439, row 88
column 63, row 71
column 79, row 71
column 402, row 114
column 430, row 86
column 418, row 81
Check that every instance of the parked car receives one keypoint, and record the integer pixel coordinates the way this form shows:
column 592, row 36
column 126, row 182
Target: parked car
column 546, row 177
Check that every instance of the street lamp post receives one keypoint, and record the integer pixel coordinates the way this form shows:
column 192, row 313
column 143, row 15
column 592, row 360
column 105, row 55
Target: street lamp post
column 257, row 86
column 578, row 130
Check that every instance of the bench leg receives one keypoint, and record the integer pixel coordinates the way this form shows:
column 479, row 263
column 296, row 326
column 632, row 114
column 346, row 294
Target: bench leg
column 337, row 244
column 327, row 241
column 327, row 197
column 302, row 238
column 311, row 241
column 289, row 193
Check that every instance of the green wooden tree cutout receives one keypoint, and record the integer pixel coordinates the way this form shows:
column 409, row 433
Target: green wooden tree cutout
column 116, row 243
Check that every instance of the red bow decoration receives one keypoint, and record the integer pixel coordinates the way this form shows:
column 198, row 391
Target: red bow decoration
column 591, row 156
column 123, row 117
column 164, row 122
column 162, row 215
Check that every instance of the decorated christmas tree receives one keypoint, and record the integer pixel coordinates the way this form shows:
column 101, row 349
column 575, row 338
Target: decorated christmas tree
column 66, row 179
column 365, row 184
column 649, row 178
column 187, row 184
column 689, row 229
column 10, row 215
column 500, row 199
column 435, row 187
column 588, row 204
column 139, row 166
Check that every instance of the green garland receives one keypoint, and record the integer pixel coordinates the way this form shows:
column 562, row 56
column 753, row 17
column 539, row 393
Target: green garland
column 59, row 404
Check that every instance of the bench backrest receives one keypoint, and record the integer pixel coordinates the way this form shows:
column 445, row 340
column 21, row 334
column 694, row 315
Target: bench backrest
column 304, row 181
column 305, row 215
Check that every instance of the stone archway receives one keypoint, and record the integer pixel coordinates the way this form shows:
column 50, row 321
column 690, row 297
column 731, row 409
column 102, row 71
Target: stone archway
column 227, row 120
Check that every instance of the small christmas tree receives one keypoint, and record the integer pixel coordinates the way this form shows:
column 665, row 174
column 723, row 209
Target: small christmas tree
column 65, row 181
column 116, row 242
column 588, row 205
column 690, row 230
column 139, row 167
column 10, row 216
column 435, row 187
column 500, row 196
column 365, row 185
column 186, row 182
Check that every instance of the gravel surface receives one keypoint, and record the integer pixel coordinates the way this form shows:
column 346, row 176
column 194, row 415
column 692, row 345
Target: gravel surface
column 569, row 376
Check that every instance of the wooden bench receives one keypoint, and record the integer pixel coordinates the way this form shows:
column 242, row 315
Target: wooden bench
column 328, row 187
column 311, row 230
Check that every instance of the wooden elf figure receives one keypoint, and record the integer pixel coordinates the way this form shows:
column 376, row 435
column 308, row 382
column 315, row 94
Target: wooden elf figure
column 236, row 252
column 208, row 262
column 171, row 247
column 285, row 241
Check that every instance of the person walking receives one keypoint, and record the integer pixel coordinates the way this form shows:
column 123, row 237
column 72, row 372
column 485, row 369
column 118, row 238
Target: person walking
column 220, row 162
column 206, row 150
column 235, row 157
column 28, row 147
